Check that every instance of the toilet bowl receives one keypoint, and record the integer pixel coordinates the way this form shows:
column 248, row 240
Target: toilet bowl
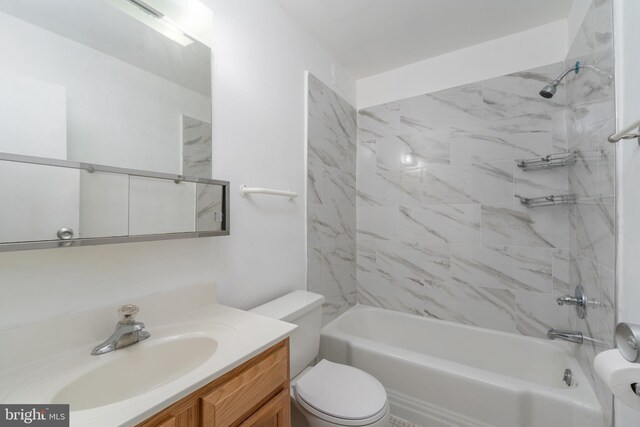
column 331, row 394
column 327, row 394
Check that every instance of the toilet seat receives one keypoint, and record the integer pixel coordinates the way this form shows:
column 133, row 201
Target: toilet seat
column 341, row 394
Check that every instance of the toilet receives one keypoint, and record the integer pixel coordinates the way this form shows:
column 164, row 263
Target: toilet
column 327, row 394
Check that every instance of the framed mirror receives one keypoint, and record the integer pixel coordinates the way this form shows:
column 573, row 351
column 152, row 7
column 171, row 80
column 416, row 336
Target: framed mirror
column 111, row 82
column 105, row 121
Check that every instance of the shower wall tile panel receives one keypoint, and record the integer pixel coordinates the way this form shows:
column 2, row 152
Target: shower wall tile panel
column 331, row 198
column 209, row 200
column 196, row 161
column 590, row 118
column 196, row 147
column 439, row 231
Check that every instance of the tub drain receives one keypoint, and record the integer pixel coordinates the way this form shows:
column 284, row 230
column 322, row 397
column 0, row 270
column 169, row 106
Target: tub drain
column 567, row 377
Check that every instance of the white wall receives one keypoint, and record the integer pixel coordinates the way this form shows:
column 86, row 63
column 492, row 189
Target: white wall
column 539, row 46
column 627, row 34
column 258, row 139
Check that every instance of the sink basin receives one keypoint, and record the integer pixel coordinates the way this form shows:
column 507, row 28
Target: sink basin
column 128, row 377
column 136, row 370
column 127, row 386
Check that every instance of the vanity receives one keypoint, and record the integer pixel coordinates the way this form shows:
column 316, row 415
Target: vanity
column 205, row 364
column 254, row 394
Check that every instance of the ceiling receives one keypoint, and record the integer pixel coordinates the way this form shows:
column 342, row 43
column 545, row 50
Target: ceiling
column 372, row 36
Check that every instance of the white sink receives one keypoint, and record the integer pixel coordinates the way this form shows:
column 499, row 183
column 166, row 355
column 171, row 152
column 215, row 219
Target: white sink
column 136, row 372
column 127, row 386
column 161, row 362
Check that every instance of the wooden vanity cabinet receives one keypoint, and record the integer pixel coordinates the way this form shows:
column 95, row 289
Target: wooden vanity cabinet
column 255, row 394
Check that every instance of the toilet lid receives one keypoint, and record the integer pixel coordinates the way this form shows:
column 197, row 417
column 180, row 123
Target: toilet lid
column 341, row 391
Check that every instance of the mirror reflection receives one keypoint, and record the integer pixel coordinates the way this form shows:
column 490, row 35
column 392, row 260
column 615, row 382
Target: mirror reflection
column 49, row 203
column 75, row 89
column 139, row 97
column 35, row 207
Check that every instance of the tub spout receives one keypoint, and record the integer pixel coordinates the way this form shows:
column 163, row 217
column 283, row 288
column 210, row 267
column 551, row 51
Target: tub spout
column 571, row 336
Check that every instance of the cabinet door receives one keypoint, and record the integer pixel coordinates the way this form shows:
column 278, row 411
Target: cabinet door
column 180, row 416
column 189, row 417
column 253, row 394
column 233, row 401
column 275, row 413
column 169, row 422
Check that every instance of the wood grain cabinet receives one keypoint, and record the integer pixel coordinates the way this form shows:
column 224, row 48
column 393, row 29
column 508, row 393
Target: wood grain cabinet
column 255, row 394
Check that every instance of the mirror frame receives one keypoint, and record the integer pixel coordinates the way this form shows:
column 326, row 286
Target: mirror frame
column 90, row 241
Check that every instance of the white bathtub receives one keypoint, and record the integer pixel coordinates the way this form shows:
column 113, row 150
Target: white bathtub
column 443, row 374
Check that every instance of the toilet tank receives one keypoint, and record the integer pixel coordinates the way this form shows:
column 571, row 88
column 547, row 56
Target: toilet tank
column 303, row 309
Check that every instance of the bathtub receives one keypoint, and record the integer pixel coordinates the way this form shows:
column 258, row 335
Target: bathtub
column 438, row 373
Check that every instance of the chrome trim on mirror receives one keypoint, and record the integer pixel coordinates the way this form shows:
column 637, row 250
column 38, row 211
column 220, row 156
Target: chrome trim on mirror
column 91, row 241
column 91, row 168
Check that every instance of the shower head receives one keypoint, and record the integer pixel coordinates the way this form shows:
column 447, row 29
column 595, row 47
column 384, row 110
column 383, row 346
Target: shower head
column 549, row 90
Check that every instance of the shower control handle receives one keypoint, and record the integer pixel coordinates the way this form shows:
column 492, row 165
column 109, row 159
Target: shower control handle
column 579, row 300
column 568, row 300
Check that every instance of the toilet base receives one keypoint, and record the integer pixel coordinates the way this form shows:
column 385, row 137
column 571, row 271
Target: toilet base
column 300, row 417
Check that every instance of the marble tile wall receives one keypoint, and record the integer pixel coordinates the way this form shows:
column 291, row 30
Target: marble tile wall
column 196, row 147
column 590, row 118
column 439, row 231
column 331, row 199
column 196, row 161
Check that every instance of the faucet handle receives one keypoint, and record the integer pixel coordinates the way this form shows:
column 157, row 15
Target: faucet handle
column 568, row 299
column 579, row 300
column 128, row 312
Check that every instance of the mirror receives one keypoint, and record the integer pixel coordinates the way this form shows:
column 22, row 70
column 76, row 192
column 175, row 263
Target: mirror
column 60, row 204
column 93, row 93
column 34, row 208
column 122, row 83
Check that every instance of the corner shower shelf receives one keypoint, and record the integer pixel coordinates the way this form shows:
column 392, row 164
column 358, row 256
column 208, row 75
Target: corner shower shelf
column 534, row 202
column 549, row 161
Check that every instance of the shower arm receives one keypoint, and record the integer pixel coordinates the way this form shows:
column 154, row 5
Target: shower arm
column 577, row 68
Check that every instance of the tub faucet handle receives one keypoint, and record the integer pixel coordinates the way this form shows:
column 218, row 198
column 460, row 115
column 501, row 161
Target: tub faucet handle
column 579, row 300
column 568, row 300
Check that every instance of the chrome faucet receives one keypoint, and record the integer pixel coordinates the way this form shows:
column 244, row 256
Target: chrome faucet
column 569, row 300
column 127, row 332
column 579, row 300
column 571, row 336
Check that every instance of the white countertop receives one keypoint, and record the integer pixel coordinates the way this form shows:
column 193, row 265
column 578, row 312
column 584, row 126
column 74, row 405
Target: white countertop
column 243, row 336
